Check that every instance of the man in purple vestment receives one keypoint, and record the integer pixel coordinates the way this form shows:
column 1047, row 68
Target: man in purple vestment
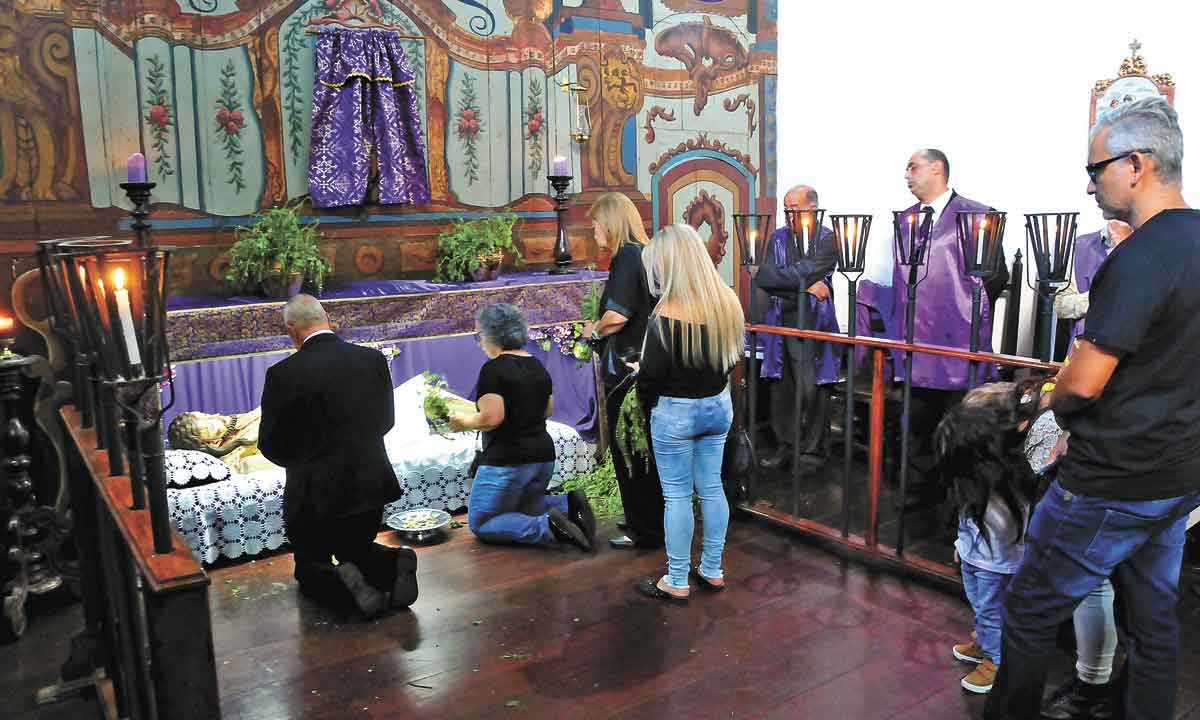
column 790, row 275
column 943, row 316
column 1090, row 251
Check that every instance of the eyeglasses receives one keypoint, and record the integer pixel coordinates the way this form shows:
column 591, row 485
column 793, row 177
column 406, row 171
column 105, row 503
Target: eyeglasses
column 1094, row 169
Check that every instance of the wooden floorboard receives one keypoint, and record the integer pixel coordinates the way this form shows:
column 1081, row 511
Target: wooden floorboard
column 539, row 633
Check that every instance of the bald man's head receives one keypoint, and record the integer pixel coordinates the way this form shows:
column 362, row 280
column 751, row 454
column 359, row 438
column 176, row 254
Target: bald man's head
column 303, row 315
column 800, row 197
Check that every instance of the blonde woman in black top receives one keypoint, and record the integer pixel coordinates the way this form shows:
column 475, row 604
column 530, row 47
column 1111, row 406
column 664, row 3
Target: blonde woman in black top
column 695, row 336
column 624, row 309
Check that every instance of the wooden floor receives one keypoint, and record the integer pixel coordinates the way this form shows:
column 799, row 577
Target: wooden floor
column 534, row 633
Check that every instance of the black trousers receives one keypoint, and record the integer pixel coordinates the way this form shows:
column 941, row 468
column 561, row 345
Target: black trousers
column 816, row 401
column 928, row 408
column 350, row 539
column 641, row 491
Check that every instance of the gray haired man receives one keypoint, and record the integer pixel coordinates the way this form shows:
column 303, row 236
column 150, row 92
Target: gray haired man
column 1131, row 474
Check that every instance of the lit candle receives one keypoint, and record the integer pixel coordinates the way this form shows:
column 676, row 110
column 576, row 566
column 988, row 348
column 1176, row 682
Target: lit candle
column 753, row 242
column 912, row 234
column 135, row 168
column 804, row 235
column 979, row 250
column 560, row 167
column 122, row 297
column 6, row 326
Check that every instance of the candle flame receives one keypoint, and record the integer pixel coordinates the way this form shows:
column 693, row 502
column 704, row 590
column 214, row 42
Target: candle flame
column 912, row 219
column 82, row 274
column 6, row 322
column 119, row 278
column 985, row 222
column 804, row 221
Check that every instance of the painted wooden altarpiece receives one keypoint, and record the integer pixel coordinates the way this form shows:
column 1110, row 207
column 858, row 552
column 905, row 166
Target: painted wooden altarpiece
column 218, row 95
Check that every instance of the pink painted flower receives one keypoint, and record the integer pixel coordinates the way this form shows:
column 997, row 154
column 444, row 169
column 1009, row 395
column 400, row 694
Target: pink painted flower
column 159, row 115
column 223, row 116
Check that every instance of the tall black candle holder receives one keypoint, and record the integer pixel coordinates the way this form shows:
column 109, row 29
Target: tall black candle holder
column 139, row 195
column 562, row 248
column 981, row 238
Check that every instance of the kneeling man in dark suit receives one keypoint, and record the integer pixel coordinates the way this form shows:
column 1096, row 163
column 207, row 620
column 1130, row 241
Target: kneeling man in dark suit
column 325, row 410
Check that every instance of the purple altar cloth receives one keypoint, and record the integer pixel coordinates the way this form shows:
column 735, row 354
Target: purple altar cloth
column 234, row 384
column 372, row 311
column 383, row 288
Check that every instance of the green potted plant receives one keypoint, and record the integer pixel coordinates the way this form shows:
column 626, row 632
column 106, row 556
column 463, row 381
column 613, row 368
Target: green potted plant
column 277, row 253
column 474, row 249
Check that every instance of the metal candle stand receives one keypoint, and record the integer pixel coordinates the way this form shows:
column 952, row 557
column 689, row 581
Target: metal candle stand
column 754, row 238
column 109, row 296
column 851, row 233
column 810, row 225
column 1050, row 251
column 981, row 238
column 912, row 242
column 562, row 248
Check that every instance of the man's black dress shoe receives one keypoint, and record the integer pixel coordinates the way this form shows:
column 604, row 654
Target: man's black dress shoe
column 778, row 459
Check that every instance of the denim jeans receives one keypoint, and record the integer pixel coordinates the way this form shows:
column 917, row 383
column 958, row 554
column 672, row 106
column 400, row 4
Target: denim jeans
column 509, row 503
column 689, row 444
column 985, row 591
column 1074, row 542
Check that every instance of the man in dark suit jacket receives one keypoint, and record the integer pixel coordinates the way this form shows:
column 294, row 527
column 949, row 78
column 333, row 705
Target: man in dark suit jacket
column 325, row 411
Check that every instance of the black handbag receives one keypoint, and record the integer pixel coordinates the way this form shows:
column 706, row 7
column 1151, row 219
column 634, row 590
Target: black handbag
column 737, row 464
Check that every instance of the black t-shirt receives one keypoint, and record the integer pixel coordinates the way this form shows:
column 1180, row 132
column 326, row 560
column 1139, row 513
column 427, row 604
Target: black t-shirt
column 1141, row 439
column 525, row 386
column 663, row 372
column 628, row 294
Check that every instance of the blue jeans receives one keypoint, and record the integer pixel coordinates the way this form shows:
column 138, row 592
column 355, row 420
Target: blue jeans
column 985, row 591
column 1075, row 542
column 689, row 444
column 509, row 503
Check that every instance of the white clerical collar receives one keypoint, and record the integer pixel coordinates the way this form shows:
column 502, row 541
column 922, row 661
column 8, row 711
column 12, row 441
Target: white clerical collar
column 326, row 331
column 939, row 204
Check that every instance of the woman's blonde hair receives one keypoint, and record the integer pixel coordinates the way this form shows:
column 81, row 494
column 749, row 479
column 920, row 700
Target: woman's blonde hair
column 620, row 219
column 680, row 272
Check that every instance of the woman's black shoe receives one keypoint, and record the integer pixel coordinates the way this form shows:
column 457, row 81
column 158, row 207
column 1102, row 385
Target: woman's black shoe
column 566, row 531
column 705, row 583
column 649, row 587
column 579, row 510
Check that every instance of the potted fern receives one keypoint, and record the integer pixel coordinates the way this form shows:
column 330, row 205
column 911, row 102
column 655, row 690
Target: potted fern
column 474, row 249
column 277, row 253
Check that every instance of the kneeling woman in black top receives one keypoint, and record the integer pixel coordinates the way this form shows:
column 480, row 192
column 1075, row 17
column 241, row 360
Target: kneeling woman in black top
column 695, row 337
column 508, row 501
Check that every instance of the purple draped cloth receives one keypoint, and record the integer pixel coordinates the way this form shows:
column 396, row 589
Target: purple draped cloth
column 943, row 312
column 1090, row 254
column 364, row 107
column 234, row 384
column 828, row 367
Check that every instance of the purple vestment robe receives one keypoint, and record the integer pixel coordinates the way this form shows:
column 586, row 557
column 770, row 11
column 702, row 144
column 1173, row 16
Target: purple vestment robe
column 1090, row 254
column 943, row 308
column 828, row 367
column 364, row 106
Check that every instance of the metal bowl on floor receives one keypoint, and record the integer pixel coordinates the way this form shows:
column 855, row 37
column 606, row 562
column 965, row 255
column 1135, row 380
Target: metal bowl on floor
column 420, row 525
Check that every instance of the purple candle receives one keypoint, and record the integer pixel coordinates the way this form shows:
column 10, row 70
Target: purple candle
column 135, row 168
column 560, row 167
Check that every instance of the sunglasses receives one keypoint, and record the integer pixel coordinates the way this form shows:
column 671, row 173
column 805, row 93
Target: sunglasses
column 1094, row 169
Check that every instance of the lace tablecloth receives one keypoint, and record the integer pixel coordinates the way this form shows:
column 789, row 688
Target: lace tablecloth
column 244, row 515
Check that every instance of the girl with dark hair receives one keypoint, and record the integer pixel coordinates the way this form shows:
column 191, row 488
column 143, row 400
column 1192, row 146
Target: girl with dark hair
column 980, row 446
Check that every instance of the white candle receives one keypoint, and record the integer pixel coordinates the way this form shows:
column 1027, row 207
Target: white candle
column 560, row 167
column 804, row 236
column 753, row 242
column 912, row 234
column 979, row 251
column 126, row 316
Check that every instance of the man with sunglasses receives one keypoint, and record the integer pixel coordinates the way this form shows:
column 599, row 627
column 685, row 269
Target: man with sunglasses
column 1131, row 474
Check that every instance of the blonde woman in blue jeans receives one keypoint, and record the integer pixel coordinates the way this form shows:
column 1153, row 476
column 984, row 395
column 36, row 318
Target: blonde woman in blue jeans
column 695, row 336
